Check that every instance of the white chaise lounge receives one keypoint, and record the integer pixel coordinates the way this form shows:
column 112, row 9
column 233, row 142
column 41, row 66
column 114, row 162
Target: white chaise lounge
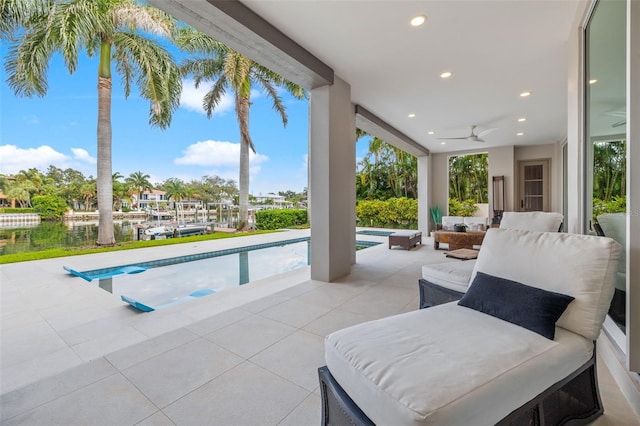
column 484, row 361
column 448, row 281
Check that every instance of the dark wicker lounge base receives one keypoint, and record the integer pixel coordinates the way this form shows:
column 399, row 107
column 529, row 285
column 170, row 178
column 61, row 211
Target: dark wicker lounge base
column 574, row 400
column 432, row 294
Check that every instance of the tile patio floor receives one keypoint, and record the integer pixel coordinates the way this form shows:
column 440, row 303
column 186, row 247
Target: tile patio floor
column 72, row 354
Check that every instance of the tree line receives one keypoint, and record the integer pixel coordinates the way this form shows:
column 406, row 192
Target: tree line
column 80, row 192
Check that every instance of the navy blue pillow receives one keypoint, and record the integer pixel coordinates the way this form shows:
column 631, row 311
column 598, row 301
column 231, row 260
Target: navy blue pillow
column 529, row 307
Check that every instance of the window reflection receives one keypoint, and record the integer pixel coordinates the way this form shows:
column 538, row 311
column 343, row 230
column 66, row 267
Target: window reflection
column 606, row 128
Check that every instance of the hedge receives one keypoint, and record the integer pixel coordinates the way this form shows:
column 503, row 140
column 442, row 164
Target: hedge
column 17, row 210
column 279, row 219
column 393, row 213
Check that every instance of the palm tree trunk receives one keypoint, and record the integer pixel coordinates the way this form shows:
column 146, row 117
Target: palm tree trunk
column 243, row 223
column 105, row 184
column 242, row 106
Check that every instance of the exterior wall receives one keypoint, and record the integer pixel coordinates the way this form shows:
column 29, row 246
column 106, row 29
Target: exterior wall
column 553, row 152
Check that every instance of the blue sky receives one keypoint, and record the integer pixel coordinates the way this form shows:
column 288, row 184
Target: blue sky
column 60, row 129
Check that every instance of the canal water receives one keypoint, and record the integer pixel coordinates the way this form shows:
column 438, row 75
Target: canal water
column 47, row 235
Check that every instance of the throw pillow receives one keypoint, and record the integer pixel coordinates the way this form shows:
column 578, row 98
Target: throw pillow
column 533, row 308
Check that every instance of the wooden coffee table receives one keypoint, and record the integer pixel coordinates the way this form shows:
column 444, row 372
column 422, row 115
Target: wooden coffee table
column 458, row 240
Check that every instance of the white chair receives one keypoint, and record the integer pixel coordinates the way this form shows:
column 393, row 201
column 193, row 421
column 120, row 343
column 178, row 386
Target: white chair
column 614, row 226
column 447, row 281
column 532, row 221
column 487, row 360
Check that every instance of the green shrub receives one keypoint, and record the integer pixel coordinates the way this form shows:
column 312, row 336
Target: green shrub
column 17, row 210
column 617, row 205
column 126, row 209
column 393, row 213
column 462, row 208
column 279, row 219
column 49, row 206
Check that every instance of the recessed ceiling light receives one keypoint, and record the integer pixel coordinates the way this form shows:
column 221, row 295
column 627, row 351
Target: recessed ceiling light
column 412, row 115
column 445, row 74
column 593, row 81
column 416, row 21
column 431, row 133
column 525, row 94
column 443, row 143
column 519, row 134
column 521, row 119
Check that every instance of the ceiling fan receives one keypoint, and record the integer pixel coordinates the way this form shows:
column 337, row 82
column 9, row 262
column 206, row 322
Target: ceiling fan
column 473, row 137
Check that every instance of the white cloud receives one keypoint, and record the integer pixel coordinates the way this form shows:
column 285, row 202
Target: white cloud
column 83, row 155
column 217, row 154
column 191, row 98
column 15, row 159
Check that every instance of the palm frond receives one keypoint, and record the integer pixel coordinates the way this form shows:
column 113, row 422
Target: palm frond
column 19, row 13
column 131, row 16
column 156, row 74
column 194, row 41
column 212, row 97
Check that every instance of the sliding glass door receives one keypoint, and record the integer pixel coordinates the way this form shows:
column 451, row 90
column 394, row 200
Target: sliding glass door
column 606, row 135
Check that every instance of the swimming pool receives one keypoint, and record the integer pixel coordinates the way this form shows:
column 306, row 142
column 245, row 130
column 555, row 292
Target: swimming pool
column 164, row 282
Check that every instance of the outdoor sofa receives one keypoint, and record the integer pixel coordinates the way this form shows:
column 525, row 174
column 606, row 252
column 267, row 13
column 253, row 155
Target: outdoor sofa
column 448, row 281
column 498, row 356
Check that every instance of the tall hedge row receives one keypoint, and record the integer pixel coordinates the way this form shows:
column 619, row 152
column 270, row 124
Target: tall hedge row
column 393, row 213
column 279, row 219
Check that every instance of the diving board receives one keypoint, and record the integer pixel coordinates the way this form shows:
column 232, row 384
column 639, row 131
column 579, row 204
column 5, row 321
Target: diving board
column 147, row 308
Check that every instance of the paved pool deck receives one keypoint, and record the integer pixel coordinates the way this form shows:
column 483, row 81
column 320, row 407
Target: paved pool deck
column 73, row 354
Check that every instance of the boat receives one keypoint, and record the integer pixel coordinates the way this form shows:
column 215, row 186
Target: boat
column 174, row 231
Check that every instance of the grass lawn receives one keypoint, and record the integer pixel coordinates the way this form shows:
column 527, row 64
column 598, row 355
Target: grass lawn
column 63, row 252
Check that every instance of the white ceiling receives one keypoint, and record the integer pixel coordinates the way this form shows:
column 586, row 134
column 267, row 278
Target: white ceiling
column 495, row 50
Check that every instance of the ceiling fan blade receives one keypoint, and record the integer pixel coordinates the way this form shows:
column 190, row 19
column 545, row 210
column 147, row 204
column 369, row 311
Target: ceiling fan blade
column 619, row 123
column 463, row 138
column 487, row 131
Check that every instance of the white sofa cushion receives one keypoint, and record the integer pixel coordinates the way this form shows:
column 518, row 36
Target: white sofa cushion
column 581, row 266
column 448, row 365
column 452, row 275
column 449, row 221
column 531, row 221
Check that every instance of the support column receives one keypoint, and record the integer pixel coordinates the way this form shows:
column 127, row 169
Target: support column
column 332, row 177
column 423, row 194
column 633, row 186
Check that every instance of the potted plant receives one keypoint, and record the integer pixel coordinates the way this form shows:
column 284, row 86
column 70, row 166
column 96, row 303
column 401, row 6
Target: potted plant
column 436, row 216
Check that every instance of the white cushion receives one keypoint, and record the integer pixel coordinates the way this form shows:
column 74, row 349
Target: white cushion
column 448, row 365
column 531, row 221
column 406, row 233
column 614, row 225
column 451, row 275
column 582, row 266
column 449, row 221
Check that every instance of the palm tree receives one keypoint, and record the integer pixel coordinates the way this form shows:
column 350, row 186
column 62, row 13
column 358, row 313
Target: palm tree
column 229, row 70
column 111, row 30
column 140, row 182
